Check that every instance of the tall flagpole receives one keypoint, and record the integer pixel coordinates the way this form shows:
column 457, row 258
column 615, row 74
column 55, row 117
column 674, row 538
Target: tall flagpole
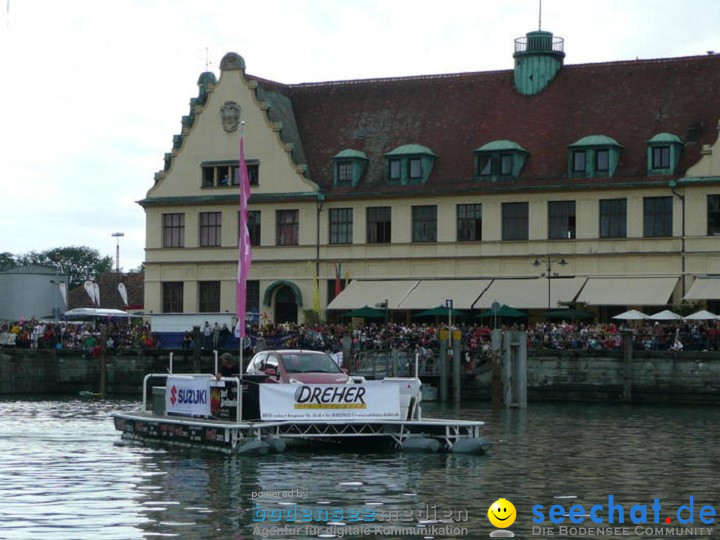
column 244, row 255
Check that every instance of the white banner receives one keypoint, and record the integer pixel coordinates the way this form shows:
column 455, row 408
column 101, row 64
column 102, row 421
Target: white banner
column 63, row 292
column 96, row 288
column 123, row 292
column 187, row 395
column 329, row 402
column 90, row 290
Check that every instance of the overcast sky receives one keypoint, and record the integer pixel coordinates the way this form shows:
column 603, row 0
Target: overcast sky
column 93, row 91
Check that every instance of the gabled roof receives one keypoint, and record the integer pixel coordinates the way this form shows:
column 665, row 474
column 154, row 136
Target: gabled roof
column 454, row 114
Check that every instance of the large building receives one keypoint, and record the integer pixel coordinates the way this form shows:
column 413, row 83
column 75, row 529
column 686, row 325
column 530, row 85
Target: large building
column 547, row 183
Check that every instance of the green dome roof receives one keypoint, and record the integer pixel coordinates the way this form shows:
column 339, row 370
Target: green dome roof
column 666, row 138
column 596, row 140
column 410, row 149
column 501, row 145
column 348, row 153
column 207, row 77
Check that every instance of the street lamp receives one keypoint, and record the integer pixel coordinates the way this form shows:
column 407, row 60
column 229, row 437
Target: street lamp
column 548, row 263
column 117, row 236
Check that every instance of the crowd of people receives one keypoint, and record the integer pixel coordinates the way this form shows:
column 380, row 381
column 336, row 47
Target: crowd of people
column 86, row 336
column 475, row 338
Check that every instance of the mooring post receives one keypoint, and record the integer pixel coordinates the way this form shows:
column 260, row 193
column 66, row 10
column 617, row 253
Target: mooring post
column 197, row 349
column 457, row 364
column 103, row 360
column 496, row 369
column 627, row 335
column 347, row 353
column 519, row 348
column 443, row 359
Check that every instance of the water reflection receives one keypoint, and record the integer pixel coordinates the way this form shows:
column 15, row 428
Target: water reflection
column 63, row 475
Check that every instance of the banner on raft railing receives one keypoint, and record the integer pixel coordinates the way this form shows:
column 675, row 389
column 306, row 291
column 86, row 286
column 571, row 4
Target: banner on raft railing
column 188, row 396
column 329, row 402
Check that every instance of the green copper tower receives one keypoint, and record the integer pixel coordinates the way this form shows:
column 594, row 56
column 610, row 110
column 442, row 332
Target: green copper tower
column 538, row 57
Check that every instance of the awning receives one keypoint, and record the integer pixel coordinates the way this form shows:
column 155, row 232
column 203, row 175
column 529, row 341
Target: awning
column 628, row 291
column 431, row 293
column 704, row 289
column 530, row 293
column 373, row 292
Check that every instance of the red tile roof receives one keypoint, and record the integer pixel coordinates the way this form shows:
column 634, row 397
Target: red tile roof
column 453, row 114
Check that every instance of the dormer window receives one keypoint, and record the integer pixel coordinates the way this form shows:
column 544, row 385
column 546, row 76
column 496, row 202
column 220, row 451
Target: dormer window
column 594, row 156
column 661, row 157
column 344, row 173
column 348, row 168
column 395, row 169
column 409, row 164
column 663, row 154
column 602, row 161
column 499, row 160
column 416, row 171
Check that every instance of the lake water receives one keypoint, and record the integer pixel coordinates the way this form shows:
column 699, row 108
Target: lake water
column 64, row 474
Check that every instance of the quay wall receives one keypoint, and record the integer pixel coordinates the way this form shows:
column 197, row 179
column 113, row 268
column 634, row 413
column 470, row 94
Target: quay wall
column 661, row 377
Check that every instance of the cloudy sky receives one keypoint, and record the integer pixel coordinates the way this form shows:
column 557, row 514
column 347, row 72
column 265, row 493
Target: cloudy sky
column 93, row 91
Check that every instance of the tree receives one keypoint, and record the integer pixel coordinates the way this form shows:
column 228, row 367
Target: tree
column 79, row 263
column 7, row 261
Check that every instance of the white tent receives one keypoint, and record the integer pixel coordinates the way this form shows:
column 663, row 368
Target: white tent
column 701, row 315
column 666, row 315
column 95, row 313
column 632, row 315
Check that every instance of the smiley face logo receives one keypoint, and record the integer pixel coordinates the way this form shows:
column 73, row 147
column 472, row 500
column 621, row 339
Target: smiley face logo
column 502, row 513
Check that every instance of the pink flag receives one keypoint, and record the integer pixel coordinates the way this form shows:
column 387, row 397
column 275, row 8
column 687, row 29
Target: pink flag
column 244, row 255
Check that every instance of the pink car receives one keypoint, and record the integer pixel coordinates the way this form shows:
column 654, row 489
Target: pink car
column 298, row 367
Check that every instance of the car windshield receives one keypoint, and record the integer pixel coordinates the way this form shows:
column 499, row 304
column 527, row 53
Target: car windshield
column 309, row 363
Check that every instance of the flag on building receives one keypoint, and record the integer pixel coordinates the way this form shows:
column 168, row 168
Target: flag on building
column 244, row 255
column 338, row 273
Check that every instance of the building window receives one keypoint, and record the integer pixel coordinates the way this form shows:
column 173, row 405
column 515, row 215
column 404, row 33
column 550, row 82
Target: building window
column 424, row 223
column 253, row 170
column 208, row 177
column 469, row 222
column 602, row 161
column 172, row 292
column 345, row 173
column 416, row 171
column 515, row 221
column 228, row 174
column 252, row 296
column 209, row 296
column 173, row 230
column 341, row 225
column 561, row 220
column 253, row 225
column 394, row 172
column 661, row 157
column 713, row 211
column 378, row 225
column 484, row 165
column 657, row 217
column 578, row 162
column 613, row 218
column 210, row 229
column 506, row 165
column 288, row 227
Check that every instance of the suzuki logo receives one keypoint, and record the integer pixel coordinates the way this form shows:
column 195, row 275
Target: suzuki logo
column 173, row 395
